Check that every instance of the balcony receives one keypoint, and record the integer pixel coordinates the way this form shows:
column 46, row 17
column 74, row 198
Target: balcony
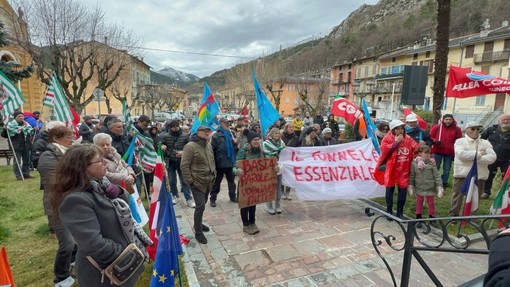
column 492, row 57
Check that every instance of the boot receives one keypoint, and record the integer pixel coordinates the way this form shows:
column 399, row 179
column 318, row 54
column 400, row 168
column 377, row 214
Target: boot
column 419, row 224
column 433, row 222
column 400, row 213
column 389, row 210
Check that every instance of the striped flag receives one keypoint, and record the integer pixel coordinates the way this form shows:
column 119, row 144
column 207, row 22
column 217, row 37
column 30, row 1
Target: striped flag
column 10, row 97
column 49, row 98
column 144, row 144
column 470, row 189
column 61, row 107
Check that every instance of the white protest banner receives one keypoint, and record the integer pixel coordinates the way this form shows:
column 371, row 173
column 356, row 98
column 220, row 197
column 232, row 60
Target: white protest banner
column 342, row 171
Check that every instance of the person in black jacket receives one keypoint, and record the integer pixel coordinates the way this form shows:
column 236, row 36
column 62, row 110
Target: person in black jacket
column 499, row 261
column 333, row 125
column 172, row 143
column 289, row 136
column 318, row 119
column 224, row 147
column 87, row 130
column 499, row 136
column 119, row 140
column 414, row 131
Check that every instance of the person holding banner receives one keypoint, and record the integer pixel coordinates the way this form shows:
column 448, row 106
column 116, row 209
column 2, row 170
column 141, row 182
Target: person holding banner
column 251, row 150
column 397, row 153
column 272, row 148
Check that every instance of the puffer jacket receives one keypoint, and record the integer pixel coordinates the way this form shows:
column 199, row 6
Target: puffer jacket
column 447, row 136
column 117, row 170
column 174, row 142
column 290, row 140
column 465, row 151
column 426, row 180
column 499, row 140
column 398, row 164
column 197, row 164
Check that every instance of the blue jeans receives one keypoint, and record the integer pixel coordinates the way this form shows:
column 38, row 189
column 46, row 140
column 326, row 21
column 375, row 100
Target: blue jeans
column 447, row 161
column 174, row 169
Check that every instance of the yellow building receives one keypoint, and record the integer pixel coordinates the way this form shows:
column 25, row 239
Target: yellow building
column 487, row 51
column 31, row 88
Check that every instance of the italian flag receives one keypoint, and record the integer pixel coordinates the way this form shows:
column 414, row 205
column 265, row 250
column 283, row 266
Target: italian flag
column 500, row 204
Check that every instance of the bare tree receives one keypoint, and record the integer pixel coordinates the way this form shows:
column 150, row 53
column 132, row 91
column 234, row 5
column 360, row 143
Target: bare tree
column 313, row 102
column 441, row 59
column 62, row 39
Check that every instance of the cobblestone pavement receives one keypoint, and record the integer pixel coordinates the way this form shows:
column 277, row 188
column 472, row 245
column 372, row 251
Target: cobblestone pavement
column 309, row 244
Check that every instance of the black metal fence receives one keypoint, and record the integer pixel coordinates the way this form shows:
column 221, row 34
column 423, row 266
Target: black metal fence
column 431, row 234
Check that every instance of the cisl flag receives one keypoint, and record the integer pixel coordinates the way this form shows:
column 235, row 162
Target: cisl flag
column 345, row 109
column 464, row 83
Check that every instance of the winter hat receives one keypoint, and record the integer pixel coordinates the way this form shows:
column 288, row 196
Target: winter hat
column 15, row 114
column 326, row 130
column 250, row 135
column 396, row 123
column 447, row 116
column 309, row 130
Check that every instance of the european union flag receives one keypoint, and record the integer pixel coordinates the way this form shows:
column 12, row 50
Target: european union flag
column 166, row 265
column 267, row 113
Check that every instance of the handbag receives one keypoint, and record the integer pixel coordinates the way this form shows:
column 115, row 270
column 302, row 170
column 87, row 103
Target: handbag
column 123, row 267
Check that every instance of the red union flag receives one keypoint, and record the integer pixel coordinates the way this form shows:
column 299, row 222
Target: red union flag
column 345, row 109
column 464, row 83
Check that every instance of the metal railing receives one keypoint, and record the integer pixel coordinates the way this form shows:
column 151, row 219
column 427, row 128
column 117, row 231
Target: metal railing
column 429, row 234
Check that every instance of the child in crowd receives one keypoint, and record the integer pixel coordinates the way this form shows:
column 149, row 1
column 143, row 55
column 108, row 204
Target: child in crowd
column 425, row 181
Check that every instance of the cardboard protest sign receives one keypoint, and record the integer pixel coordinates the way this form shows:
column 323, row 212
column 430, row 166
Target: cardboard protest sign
column 258, row 183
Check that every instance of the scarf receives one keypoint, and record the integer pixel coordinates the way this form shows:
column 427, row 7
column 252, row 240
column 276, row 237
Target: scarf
column 62, row 148
column 230, row 146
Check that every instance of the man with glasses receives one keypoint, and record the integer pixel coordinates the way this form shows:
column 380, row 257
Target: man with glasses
column 466, row 149
column 443, row 137
column 499, row 136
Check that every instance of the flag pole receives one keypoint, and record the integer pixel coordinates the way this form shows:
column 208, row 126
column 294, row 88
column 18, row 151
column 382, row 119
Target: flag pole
column 14, row 152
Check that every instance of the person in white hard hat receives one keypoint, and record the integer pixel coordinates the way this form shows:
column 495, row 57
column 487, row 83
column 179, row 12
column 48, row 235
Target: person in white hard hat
column 394, row 165
column 415, row 132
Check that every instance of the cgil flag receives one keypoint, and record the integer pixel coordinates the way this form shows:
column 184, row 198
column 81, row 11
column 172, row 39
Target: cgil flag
column 470, row 189
column 207, row 111
column 267, row 113
column 10, row 97
column 345, row 109
column 166, row 264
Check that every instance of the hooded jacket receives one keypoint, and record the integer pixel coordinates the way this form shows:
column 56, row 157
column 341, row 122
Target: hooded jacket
column 446, row 136
column 399, row 158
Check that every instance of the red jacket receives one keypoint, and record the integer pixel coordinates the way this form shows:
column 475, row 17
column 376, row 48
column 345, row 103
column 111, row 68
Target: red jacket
column 398, row 164
column 448, row 137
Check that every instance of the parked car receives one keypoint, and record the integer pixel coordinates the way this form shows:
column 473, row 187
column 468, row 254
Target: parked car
column 162, row 117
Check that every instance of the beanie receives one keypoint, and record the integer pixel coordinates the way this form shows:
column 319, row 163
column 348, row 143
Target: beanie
column 15, row 114
column 447, row 116
column 250, row 135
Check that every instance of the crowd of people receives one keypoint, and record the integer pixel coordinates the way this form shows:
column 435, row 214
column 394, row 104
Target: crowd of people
column 78, row 204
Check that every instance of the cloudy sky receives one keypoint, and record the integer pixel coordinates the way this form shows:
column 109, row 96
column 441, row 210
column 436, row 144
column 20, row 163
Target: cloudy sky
column 235, row 31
